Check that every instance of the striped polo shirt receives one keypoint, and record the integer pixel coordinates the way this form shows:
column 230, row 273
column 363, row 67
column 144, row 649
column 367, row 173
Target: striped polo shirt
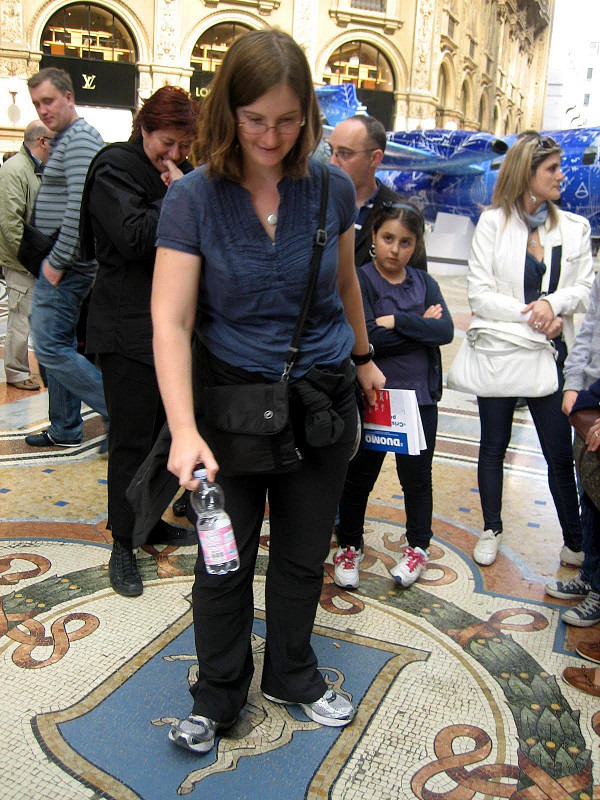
column 58, row 202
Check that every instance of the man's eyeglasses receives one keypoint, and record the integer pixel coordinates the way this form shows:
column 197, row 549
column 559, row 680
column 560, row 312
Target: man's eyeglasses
column 286, row 127
column 344, row 153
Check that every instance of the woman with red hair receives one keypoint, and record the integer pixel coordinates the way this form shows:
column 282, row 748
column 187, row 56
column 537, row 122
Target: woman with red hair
column 121, row 204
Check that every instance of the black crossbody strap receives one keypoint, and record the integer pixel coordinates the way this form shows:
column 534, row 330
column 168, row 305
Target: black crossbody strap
column 319, row 246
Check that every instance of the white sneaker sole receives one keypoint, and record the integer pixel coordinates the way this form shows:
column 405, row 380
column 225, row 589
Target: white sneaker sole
column 550, row 590
column 579, row 623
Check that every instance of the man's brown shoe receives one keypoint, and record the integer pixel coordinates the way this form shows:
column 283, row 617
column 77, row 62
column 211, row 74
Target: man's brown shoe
column 29, row 384
column 589, row 650
column 582, row 678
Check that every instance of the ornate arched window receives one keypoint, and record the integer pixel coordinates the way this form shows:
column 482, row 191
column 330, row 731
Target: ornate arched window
column 369, row 70
column 98, row 51
column 209, row 51
column 84, row 30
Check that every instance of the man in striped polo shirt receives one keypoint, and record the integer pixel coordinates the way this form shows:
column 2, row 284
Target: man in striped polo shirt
column 65, row 279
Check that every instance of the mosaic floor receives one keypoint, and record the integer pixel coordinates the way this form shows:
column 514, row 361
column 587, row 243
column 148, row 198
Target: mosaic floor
column 457, row 679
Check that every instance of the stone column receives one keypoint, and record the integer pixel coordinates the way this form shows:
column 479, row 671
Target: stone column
column 167, row 66
column 304, row 31
column 421, row 105
column 17, row 64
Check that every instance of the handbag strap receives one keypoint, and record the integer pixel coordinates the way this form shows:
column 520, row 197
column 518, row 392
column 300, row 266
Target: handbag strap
column 319, row 246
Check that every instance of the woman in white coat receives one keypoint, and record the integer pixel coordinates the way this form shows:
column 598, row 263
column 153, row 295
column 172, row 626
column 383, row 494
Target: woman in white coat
column 530, row 262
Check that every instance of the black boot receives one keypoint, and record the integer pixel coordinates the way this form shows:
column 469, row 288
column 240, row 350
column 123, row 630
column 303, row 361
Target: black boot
column 123, row 571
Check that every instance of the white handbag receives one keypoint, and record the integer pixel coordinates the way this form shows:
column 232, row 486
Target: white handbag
column 504, row 359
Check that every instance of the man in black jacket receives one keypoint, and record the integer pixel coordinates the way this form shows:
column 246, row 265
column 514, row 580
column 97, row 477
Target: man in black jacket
column 357, row 146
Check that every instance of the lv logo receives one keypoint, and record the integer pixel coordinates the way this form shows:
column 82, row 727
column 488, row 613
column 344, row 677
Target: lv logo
column 88, row 81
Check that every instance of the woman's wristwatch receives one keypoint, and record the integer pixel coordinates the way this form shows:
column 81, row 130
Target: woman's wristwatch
column 365, row 358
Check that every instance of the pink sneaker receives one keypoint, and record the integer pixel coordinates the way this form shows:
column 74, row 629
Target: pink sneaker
column 346, row 561
column 410, row 566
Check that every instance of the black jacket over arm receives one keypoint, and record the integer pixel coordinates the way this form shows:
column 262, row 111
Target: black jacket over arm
column 363, row 237
column 120, row 207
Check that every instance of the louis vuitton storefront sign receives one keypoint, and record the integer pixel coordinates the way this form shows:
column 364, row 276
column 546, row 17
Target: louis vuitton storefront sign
column 98, row 83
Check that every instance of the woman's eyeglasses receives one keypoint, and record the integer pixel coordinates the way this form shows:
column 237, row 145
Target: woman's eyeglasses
column 286, row 127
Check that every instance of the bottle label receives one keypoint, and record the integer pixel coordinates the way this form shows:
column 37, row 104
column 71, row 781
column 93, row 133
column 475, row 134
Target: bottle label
column 218, row 546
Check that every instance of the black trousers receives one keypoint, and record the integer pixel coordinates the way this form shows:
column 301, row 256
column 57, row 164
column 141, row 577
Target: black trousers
column 302, row 508
column 135, row 417
column 414, row 474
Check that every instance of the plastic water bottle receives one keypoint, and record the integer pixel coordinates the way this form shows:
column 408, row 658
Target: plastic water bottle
column 214, row 528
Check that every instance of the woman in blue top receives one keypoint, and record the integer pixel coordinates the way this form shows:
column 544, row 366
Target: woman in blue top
column 407, row 321
column 234, row 244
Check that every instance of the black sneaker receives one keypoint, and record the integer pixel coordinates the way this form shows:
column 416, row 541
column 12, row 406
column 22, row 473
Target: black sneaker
column 163, row 533
column 123, row 571
column 575, row 589
column 585, row 614
column 44, row 439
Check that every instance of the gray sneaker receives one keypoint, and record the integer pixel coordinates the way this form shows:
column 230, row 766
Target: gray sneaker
column 585, row 614
column 575, row 589
column 196, row 733
column 332, row 709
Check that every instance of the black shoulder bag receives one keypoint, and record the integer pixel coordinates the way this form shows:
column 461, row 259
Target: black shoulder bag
column 247, row 425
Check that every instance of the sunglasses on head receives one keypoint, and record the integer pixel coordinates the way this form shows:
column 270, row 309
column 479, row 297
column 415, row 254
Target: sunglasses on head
column 546, row 143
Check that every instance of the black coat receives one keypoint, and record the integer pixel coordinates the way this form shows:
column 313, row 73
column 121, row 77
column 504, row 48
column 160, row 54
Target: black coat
column 363, row 237
column 120, row 207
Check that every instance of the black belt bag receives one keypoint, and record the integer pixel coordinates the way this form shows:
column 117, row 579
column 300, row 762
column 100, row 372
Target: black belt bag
column 247, row 425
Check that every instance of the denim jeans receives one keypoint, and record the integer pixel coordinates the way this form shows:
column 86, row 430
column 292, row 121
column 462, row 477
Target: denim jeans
column 71, row 378
column 590, row 525
column 554, row 433
column 414, row 474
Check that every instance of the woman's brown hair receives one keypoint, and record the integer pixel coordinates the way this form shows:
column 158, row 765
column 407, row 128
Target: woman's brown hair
column 168, row 107
column 255, row 63
column 518, row 168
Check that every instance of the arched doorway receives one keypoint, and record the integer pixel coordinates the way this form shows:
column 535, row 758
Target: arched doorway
column 98, row 51
column 369, row 70
column 208, row 54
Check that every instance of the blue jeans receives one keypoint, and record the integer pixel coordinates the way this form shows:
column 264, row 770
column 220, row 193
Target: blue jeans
column 71, row 378
column 554, row 433
column 590, row 524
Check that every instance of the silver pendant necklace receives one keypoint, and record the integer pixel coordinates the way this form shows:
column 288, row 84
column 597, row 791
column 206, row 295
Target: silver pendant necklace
column 272, row 219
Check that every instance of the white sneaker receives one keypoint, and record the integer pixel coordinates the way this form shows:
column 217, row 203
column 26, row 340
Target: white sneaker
column 332, row 709
column 411, row 565
column 486, row 549
column 346, row 561
column 571, row 558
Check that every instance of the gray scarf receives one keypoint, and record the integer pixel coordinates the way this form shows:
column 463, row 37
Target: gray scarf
column 534, row 221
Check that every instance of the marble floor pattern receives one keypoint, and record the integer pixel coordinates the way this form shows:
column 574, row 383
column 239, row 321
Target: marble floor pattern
column 457, row 679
